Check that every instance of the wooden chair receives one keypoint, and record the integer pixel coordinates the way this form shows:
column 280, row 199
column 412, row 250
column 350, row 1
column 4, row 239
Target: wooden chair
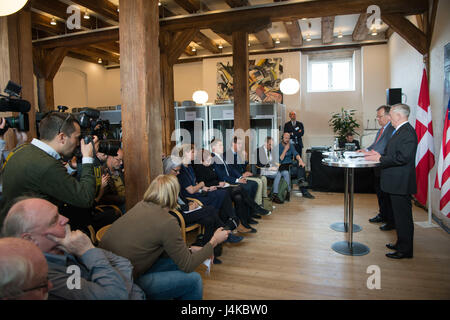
column 101, row 232
column 185, row 229
column 102, row 208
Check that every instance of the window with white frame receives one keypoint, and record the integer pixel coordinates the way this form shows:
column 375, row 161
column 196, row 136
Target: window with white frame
column 331, row 71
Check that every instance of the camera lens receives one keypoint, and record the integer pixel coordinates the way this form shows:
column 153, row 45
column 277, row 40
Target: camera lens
column 109, row 147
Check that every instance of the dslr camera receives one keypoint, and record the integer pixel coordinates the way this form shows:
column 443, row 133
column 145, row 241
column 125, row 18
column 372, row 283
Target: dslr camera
column 14, row 103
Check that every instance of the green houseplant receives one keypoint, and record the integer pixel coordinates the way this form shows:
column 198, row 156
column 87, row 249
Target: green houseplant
column 343, row 122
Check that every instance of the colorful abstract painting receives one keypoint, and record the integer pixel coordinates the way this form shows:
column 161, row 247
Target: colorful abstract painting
column 264, row 78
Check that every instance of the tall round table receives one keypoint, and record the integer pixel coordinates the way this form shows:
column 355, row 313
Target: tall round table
column 349, row 247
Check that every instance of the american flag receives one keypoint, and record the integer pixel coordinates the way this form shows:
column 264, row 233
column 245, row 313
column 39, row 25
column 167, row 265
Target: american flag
column 443, row 168
column 425, row 148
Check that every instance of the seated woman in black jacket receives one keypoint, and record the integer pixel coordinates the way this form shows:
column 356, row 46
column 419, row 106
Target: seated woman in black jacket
column 246, row 207
column 206, row 216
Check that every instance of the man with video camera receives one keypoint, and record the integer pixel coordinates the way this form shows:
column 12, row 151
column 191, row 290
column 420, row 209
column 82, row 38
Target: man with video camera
column 36, row 168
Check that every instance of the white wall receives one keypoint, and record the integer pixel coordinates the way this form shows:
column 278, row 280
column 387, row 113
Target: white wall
column 313, row 109
column 406, row 67
column 84, row 84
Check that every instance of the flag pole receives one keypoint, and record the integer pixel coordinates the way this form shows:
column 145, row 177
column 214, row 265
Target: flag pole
column 429, row 223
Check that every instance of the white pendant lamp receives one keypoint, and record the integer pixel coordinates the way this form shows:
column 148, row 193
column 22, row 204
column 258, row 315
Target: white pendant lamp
column 11, row 6
column 289, row 86
column 200, row 96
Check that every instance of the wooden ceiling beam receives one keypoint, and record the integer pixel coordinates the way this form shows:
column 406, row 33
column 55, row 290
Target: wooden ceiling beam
column 327, row 29
column 407, row 31
column 42, row 22
column 59, row 10
column 263, row 36
column 295, row 32
column 206, row 43
column 96, row 53
column 102, row 7
column 287, row 11
column 192, row 6
column 112, row 47
column 78, row 39
column 85, row 58
column 360, row 31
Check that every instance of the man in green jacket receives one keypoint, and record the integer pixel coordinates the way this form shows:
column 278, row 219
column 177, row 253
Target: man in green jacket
column 36, row 168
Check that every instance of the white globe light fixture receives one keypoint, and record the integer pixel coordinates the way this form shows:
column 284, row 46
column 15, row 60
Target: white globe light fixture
column 289, row 86
column 10, row 7
column 200, row 96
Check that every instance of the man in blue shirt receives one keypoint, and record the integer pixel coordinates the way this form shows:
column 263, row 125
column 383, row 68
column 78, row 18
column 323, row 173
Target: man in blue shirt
column 288, row 152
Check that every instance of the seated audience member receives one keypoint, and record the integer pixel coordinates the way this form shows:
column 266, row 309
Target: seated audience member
column 23, row 271
column 113, row 191
column 231, row 175
column 349, row 138
column 37, row 168
column 207, row 216
column 190, row 187
column 151, row 238
column 246, row 207
column 240, row 163
column 267, row 164
column 104, row 276
column 287, row 153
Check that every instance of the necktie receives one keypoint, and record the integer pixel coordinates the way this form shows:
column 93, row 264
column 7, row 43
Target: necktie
column 379, row 136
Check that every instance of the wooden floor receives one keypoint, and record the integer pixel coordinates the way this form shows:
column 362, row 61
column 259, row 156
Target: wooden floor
column 290, row 257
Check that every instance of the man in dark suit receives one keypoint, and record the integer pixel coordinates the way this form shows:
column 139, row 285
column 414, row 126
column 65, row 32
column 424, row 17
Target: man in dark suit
column 398, row 178
column 379, row 145
column 296, row 130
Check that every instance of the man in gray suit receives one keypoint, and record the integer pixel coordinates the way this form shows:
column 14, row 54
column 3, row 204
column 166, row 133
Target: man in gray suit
column 379, row 145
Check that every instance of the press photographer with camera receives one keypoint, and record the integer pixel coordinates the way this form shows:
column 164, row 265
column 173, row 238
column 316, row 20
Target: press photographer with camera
column 36, row 167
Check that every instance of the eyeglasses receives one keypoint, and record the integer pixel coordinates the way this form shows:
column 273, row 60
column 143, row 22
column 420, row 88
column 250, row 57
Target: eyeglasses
column 118, row 159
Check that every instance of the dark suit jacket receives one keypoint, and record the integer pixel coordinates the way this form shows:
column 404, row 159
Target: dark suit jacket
column 380, row 145
column 398, row 172
column 221, row 171
column 296, row 135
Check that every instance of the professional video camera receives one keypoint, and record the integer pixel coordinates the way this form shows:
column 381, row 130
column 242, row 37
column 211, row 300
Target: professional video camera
column 13, row 103
column 91, row 125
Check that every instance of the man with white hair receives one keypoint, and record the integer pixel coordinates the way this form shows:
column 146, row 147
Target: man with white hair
column 398, row 178
column 23, row 271
column 77, row 269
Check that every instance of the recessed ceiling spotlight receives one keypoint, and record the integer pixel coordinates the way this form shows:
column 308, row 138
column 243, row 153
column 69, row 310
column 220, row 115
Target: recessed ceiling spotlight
column 220, row 46
column 86, row 15
column 374, row 31
column 193, row 49
column 340, row 35
column 277, row 41
column 53, row 22
column 308, row 37
column 159, row 3
column 100, row 60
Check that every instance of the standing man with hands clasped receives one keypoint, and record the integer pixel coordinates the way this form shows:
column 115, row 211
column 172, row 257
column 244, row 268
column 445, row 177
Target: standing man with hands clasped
column 398, row 178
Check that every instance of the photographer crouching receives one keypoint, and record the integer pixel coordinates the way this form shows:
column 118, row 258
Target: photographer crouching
column 36, row 168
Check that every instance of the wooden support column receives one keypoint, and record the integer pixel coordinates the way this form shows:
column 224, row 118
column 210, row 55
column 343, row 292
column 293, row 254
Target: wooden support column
column 16, row 63
column 46, row 65
column 172, row 46
column 240, row 82
column 140, row 92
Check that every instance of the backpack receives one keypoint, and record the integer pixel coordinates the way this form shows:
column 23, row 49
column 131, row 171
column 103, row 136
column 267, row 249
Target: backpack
column 282, row 190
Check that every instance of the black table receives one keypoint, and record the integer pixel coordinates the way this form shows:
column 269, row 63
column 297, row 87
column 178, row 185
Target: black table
column 328, row 179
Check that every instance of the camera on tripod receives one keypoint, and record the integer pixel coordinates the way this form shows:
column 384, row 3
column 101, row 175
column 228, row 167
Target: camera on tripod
column 14, row 103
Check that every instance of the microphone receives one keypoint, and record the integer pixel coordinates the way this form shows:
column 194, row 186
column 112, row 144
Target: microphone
column 15, row 105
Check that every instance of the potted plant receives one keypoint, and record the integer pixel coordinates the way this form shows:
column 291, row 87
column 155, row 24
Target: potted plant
column 343, row 122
